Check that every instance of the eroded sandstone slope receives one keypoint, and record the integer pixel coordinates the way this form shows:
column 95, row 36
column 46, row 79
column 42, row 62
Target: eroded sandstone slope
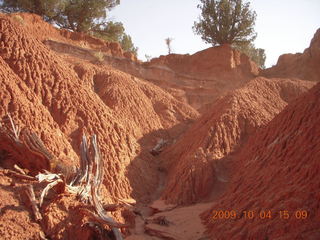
column 277, row 170
column 61, row 101
column 62, row 85
column 72, row 106
column 194, row 162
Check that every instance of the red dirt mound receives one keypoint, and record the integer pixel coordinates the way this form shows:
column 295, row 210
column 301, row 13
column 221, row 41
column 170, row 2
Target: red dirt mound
column 132, row 99
column 61, row 84
column 201, row 78
column 27, row 110
column 71, row 106
column 277, row 170
column 60, row 101
column 194, row 163
column 301, row 65
column 76, row 108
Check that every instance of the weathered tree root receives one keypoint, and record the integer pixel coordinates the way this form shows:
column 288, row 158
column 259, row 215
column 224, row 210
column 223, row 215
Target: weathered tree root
column 85, row 184
column 18, row 175
column 33, row 202
column 24, row 144
column 89, row 180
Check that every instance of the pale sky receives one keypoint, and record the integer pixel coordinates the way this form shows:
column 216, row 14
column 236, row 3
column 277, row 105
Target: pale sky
column 283, row 26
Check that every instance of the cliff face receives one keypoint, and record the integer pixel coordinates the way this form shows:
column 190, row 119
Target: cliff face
column 216, row 62
column 301, row 65
column 277, row 170
column 201, row 78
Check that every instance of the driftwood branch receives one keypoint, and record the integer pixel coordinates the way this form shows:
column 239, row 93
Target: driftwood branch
column 159, row 147
column 112, row 207
column 35, row 145
column 97, row 180
column 96, row 218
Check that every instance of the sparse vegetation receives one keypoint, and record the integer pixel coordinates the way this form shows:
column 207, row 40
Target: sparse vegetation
column 256, row 54
column 127, row 44
column 115, row 32
column 148, row 57
column 18, row 18
column 99, row 56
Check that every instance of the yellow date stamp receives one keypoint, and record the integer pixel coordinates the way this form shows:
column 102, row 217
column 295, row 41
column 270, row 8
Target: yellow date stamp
column 262, row 214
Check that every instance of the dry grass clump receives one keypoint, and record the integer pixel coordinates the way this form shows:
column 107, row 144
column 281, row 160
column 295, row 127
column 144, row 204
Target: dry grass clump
column 18, row 19
column 99, row 56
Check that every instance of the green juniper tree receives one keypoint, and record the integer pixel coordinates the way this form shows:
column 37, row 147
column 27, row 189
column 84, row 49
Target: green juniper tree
column 225, row 21
column 115, row 32
column 48, row 9
column 127, row 44
column 229, row 22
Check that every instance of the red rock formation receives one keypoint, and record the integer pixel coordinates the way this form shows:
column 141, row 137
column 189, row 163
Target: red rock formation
column 60, row 101
column 193, row 161
column 277, row 170
column 201, row 78
column 50, row 85
column 132, row 99
column 220, row 62
column 300, row 65
column 75, row 107
column 196, row 79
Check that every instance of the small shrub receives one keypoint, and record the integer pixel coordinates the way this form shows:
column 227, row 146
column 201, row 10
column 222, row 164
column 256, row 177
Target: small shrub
column 99, row 56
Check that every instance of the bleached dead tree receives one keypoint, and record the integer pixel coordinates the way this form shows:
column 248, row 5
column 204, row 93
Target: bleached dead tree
column 168, row 43
column 85, row 184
